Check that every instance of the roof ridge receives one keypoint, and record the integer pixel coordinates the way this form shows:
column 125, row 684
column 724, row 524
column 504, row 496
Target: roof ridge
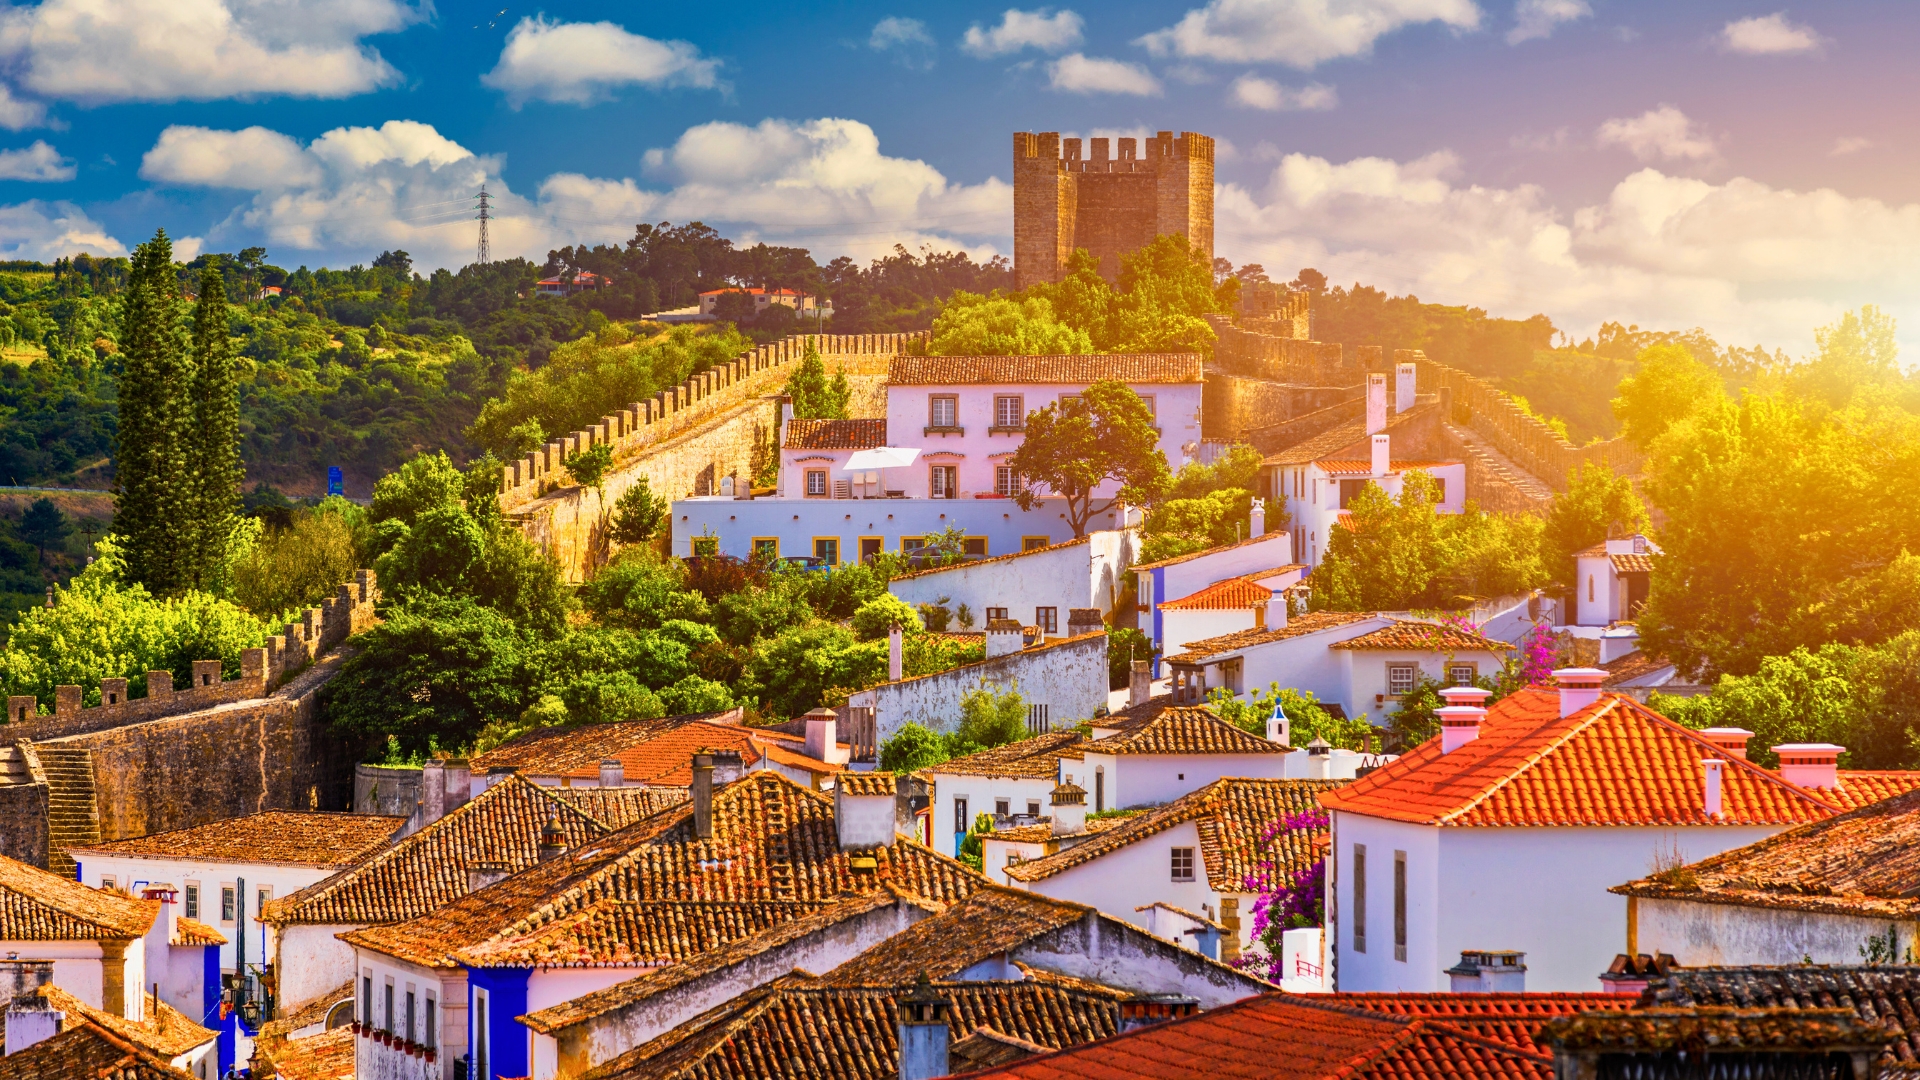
column 1743, row 764
column 1534, row 758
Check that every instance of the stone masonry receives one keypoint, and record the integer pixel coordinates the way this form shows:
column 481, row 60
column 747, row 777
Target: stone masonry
column 1108, row 203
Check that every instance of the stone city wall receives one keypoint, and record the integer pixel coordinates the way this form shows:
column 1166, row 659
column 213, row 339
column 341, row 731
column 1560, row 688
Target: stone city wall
column 1522, row 438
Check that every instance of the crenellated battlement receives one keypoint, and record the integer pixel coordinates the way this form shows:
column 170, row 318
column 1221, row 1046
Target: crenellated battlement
column 1104, row 154
column 1114, row 198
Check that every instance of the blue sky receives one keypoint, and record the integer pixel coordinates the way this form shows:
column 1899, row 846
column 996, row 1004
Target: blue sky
column 1745, row 167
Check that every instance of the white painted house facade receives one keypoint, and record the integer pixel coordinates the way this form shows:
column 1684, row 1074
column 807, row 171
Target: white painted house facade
column 1156, row 583
column 1034, row 588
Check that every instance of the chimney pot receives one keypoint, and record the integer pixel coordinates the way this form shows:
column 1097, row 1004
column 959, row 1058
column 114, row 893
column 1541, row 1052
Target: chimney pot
column 1405, row 377
column 1004, row 636
column 1257, row 519
column 1483, row 971
column 1579, row 688
column 612, row 773
column 1069, row 808
column 924, row 1036
column 1731, row 740
column 702, row 795
column 1810, row 765
column 553, row 840
column 895, row 654
column 1459, row 725
column 1382, row 463
column 1716, row 775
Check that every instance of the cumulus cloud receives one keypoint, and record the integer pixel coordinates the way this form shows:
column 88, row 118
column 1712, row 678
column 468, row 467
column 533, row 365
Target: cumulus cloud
column 581, row 63
column 1300, row 33
column 1041, row 29
column 1080, row 74
column 1253, row 92
column 18, row 114
column 1661, row 133
column 253, row 158
column 1849, row 144
column 894, row 31
column 1537, row 18
column 36, row 162
column 97, row 51
column 45, row 231
column 1768, row 35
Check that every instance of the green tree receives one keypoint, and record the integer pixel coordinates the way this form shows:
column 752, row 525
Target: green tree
column 1397, row 554
column 425, row 482
column 434, row 670
column 640, row 590
column 1307, row 719
column 1180, row 526
column 1125, row 645
column 912, row 748
column 972, row 325
column 1075, row 445
column 793, row 671
column 44, row 526
column 1596, row 499
column 637, row 515
column 815, row 395
column 1858, row 351
column 154, row 485
column 1669, row 386
column 1804, row 696
column 973, row 848
column 589, row 467
column 214, row 437
column 873, row 620
column 296, row 567
column 990, row 716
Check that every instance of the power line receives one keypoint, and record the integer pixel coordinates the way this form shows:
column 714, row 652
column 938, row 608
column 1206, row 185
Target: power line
column 484, row 253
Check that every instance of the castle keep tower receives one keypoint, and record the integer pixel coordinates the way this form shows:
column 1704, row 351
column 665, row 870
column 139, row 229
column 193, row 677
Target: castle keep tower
column 1109, row 204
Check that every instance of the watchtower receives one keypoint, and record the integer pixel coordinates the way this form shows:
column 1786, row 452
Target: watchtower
column 1108, row 202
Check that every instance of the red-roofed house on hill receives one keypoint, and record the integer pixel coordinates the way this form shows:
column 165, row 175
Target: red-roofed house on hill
column 1508, row 830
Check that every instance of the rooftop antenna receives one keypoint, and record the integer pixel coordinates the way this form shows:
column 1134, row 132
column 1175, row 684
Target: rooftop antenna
column 485, row 255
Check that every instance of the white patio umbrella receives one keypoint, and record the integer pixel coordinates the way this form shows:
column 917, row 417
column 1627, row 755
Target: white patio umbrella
column 881, row 457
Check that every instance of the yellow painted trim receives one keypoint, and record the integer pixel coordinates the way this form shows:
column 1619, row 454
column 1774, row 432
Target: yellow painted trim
column 880, row 540
column 916, row 539
column 753, row 545
column 1028, row 543
column 815, row 549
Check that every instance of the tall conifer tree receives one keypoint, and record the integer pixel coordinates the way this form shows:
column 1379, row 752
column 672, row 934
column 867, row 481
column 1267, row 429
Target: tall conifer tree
column 153, row 490
column 215, row 448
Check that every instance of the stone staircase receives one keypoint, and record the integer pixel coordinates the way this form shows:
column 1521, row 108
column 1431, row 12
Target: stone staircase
column 73, row 818
column 1499, row 466
column 13, row 766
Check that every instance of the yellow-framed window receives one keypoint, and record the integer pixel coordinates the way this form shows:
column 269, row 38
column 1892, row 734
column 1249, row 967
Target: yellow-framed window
column 766, row 548
column 827, row 549
column 1031, row 543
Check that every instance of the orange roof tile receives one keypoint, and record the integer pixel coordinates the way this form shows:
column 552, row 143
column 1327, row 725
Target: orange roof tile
column 38, row 906
column 553, row 751
column 1876, row 993
column 1511, row 1018
column 1365, row 468
column 166, row 1032
column 194, row 932
column 1423, row 636
column 835, row 434
column 88, row 1050
column 1310, row 623
column 1034, row 757
column 1089, row 368
column 1183, row 729
column 281, row 837
column 325, row 1056
column 865, row 783
column 1614, row 762
column 1222, row 596
column 1632, row 564
column 1864, row 787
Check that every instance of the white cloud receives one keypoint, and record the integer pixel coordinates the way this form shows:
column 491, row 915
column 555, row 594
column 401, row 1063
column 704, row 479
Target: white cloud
column 580, row 63
column 1024, row 30
column 1301, row 33
column 1537, row 18
column 45, row 231
column 1768, row 35
column 1664, row 132
column 1849, row 144
column 894, row 31
column 18, row 114
column 1253, row 92
column 253, row 158
column 166, row 50
column 36, row 162
column 1096, row 75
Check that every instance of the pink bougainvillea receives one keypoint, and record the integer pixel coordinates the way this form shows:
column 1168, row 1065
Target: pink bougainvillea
column 1285, row 901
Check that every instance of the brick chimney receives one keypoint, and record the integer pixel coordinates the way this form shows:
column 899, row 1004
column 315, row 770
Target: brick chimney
column 1376, row 402
column 728, row 766
column 895, row 645
column 1382, row 463
column 612, row 773
column 1461, row 716
column 923, row 1032
column 1711, row 793
column 1069, row 808
column 1579, row 688
column 1810, row 765
column 702, row 795
column 1732, row 741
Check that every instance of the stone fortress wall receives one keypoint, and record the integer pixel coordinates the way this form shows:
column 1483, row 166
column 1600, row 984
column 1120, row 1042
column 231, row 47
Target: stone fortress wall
column 1115, row 200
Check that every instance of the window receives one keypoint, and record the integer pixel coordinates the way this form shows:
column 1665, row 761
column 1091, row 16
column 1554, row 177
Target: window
column 1006, row 481
column 1148, row 400
column 706, row 545
column 1400, row 906
column 766, row 548
column 816, row 483
column 366, row 1000
column 996, row 613
column 1000, row 808
column 1439, row 490
column 1033, row 807
column 1349, row 490
column 1589, row 588
column 960, row 820
column 974, row 547
column 433, row 1023
column 1066, row 398
column 1462, row 674
column 870, row 548
column 1183, row 864
column 1401, row 677
column 827, row 549
column 410, row 1027
column 1034, row 543
column 1099, row 788
column 943, row 482
column 943, row 411
column 226, row 903
column 911, row 544
column 1009, row 411
column 107, row 882
column 264, row 895
column 1047, row 619
column 1037, row 719
column 481, row 1042
column 193, row 900
column 388, row 1026
column 1359, row 898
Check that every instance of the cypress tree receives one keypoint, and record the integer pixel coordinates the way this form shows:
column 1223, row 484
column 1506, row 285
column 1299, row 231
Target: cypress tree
column 152, row 485
column 214, row 449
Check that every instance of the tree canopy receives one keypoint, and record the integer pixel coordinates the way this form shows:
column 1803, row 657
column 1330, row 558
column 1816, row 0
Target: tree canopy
column 1074, row 445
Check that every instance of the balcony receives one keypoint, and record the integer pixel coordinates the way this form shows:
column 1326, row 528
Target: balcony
column 943, row 431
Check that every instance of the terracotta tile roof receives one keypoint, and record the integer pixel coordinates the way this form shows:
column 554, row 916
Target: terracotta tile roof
column 775, row 1032
column 313, row 1012
column 556, row 751
column 986, row 1048
column 431, row 868
column 1348, row 437
column 38, row 906
column 615, row 933
column 1635, row 665
column 1651, row 1031
column 774, row 845
column 1511, row 1018
column 1615, row 762
column 1286, row 1037
column 1087, row 368
column 1311, row 623
column 1423, row 636
column 1340, row 467
column 1184, row 729
column 1192, row 555
column 1865, row 863
column 87, row 1051
column 835, row 434
column 865, row 783
column 1035, row 757
column 1887, row 994
column 991, row 559
column 985, row 925
column 281, row 837
column 1222, row 596
column 780, row 755
column 325, row 1056
column 1041, row 833
column 194, row 932
column 666, row 758
column 1632, row 564
column 1231, row 817
column 1864, row 787
column 166, row 1033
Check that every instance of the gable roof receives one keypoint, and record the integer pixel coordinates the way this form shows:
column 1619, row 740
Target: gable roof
column 992, row 921
column 1410, row 635
column 835, row 434
column 166, row 1032
column 1879, row 994
column 1077, row 369
column 1204, row 552
column 1008, row 557
column 1225, row 595
column 1342, row 438
column 1312, row 622
column 282, row 837
column 774, row 854
column 1515, row 1019
column 38, row 906
column 1614, row 762
column 1035, row 757
column 431, row 867
column 555, row 750
column 1285, row 1037
column 1183, row 729
column 1864, row 863
column 1232, row 816
column 87, row 1051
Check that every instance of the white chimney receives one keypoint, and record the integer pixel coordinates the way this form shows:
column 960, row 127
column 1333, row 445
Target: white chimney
column 1280, row 728
column 823, row 734
column 1257, row 519
column 1731, row 740
column 1403, row 392
column 1004, row 636
column 1810, row 765
column 1139, row 682
column 1069, row 808
column 895, row 670
column 1716, row 774
column 1382, row 456
column 612, row 773
column 1483, row 971
column 863, row 809
column 1579, row 688
column 1459, row 725
column 1376, row 403
column 1319, row 759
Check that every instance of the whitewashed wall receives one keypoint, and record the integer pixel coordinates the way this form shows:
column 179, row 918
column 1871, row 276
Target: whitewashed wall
column 1081, row 575
column 1378, row 968
column 1366, row 672
column 375, row 1062
column 1138, row 875
column 1731, row 935
column 312, row 961
column 1136, row 780
column 1070, row 678
column 1182, row 626
column 980, row 793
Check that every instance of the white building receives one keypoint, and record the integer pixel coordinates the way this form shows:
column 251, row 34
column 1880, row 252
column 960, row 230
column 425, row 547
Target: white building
column 1063, row 679
column 1159, row 582
column 801, row 303
column 1009, row 782
column 1034, row 588
column 838, row 531
column 1228, row 607
column 1156, row 761
column 1507, row 831
column 1611, row 580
